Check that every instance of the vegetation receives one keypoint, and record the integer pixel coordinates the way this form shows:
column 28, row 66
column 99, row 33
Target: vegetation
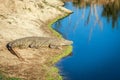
column 51, row 72
column 3, row 77
column 50, row 24
column 111, row 9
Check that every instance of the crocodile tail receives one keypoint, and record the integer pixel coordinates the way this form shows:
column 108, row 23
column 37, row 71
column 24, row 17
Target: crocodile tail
column 9, row 47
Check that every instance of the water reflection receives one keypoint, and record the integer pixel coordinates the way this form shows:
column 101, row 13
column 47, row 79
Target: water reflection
column 111, row 9
column 98, row 59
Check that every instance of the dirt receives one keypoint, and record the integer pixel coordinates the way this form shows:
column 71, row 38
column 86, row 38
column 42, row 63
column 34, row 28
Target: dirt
column 23, row 18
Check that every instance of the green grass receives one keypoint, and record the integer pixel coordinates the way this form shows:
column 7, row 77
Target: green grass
column 3, row 77
column 65, row 53
column 52, row 71
column 13, row 79
column 53, row 21
column 53, row 74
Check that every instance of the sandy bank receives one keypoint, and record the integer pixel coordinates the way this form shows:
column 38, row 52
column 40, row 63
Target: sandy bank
column 23, row 18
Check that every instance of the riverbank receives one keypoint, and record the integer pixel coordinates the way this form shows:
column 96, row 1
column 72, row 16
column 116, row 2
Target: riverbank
column 23, row 18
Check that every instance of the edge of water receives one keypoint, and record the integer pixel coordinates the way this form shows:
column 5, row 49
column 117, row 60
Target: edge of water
column 64, row 53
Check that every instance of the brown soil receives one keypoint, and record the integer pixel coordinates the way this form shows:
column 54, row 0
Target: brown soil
column 23, row 18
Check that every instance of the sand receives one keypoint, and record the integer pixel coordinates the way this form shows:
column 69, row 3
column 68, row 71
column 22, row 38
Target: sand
column 24, row 18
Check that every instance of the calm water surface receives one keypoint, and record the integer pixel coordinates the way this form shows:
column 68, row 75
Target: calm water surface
column 96, row 48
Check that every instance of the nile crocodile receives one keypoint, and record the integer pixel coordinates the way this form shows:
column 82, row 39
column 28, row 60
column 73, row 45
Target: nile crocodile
column 36, row 42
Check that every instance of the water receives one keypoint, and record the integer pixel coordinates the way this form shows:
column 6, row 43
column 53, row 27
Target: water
column 96, row 47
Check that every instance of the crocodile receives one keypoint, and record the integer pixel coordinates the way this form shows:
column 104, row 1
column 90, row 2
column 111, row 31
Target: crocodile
column 36, row 42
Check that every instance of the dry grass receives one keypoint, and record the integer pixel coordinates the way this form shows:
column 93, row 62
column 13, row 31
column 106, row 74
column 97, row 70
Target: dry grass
column 23, row 18
column 39, row 67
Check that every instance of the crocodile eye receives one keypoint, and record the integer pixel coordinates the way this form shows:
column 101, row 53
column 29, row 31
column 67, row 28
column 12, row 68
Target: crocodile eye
column 52, row 46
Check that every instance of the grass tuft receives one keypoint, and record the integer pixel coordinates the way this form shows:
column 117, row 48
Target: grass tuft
column 53, row 21
column 3, row 77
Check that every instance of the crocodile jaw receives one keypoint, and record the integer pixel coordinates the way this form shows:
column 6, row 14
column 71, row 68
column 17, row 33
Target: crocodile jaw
column 66, row 43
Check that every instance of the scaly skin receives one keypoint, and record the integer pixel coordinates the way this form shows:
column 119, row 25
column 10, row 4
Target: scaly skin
column 36, row 42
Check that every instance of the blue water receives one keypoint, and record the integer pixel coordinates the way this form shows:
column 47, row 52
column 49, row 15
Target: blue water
column 96, row 47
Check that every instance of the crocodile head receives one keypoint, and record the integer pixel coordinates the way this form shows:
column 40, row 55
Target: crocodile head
column 64, row 42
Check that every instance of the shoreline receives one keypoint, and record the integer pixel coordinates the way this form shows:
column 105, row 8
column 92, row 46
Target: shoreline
column 19, row 25
column 67, row 50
